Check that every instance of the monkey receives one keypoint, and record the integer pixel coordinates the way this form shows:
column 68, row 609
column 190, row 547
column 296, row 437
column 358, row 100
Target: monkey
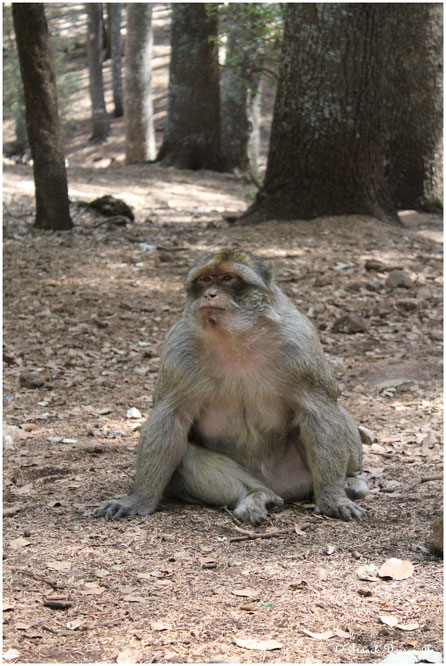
column 245, row 408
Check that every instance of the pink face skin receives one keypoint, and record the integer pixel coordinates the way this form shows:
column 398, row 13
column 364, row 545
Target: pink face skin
column 214, row 298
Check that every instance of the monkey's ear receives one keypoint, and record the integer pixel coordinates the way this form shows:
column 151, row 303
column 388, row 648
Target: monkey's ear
column 268, row 265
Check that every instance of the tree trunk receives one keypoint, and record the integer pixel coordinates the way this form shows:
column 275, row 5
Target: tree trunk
column 50, row 178
column 139, row 129
column 416, row 108
column 192, row 132
column 240, row 90
column 95, row 49
column 327, row 147
column 114, row 10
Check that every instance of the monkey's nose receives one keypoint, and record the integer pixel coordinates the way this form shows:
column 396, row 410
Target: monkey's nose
column 211, row 294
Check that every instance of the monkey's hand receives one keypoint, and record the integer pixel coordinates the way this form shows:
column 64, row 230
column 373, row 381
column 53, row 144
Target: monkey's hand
column 338, row 505
column 138, row 504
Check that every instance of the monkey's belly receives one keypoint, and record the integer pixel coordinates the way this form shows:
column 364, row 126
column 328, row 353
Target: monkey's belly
column 289, row 476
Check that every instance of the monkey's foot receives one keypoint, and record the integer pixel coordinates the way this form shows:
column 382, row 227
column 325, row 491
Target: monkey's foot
column 356, row 487
column 253, row 506
column 132, row 505
column 342, row 508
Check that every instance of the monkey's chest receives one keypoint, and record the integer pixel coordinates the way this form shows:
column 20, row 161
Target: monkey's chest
column 242, row 430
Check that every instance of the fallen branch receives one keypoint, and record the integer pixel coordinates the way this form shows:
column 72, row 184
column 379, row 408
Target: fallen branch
column 264, row 535
column 432, row 477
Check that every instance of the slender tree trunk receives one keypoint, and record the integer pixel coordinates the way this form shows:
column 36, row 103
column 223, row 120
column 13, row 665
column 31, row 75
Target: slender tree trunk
column 327, row 145
column 42, row 121
column 95, row 49
column 240, row 89
column 139, row 129
column 192, row 132
column 114, row 10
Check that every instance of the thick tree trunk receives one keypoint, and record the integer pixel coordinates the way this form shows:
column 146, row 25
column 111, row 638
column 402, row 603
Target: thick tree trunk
column 114, row 10
column 95, row 49
column 327, row 150
column 415, row 110
column 192, row 132
column 50, row 178
column 139, row 129
column 240, row 90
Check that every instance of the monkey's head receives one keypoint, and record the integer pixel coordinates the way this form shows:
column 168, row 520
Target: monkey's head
column 230, row 289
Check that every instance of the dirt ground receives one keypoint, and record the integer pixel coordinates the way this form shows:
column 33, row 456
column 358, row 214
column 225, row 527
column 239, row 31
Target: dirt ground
column 87, row 312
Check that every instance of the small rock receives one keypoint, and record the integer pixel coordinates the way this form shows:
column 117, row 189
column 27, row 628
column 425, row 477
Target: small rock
column 133, row 413
column 31, row 380
column 424, row 294
column 349, row 324
column 375, row 265
column 407, row 304
column 435, row 543
column 354, row 286
column 373, row 285
column 367, row 436
column 398, row 278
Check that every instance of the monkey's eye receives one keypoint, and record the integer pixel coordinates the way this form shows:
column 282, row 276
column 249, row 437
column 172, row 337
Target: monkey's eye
column 204, row 279
column 226, row 278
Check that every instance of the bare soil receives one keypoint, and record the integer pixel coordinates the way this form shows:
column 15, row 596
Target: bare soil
column 88, row 311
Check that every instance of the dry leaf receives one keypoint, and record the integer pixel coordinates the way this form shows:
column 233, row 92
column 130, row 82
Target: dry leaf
column 321, row 573
column 159, row 625
column 408, row 627
column 11, row 654
column 390, row 620
column 133, row 599
column 340, row 633
column 20, row 542
column 128, row 656
column 396, row 569
column 28, row 427
column 246, row 592
column 145, row 576
column 24, row 490
column 73, row 625
column 324, row 636
column 255, row 644
column 59, row 566
column 92, row 588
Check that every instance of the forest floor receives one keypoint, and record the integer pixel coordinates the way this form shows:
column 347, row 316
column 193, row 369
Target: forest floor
column 86, row 313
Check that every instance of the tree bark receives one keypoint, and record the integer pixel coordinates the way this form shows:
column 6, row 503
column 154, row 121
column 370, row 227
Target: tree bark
column 114, row 10
column 192, row 131
column 95, row 50
column 139, row 129
column 42, row 121
column 415, row 110
column 327, row 145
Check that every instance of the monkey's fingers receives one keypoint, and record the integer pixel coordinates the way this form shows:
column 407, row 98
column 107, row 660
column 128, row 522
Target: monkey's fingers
column 348, row 512
column 111, row 510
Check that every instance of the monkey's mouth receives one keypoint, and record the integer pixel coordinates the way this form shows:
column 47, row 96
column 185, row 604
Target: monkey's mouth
column 211, row 313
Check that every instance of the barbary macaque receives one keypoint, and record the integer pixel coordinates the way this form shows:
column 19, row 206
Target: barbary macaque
column 245, row 410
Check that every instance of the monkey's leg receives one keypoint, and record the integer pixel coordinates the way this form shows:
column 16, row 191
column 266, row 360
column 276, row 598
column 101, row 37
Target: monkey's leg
column 355, row 485
column 329, row 444
column 162, row 444
column 208, row 477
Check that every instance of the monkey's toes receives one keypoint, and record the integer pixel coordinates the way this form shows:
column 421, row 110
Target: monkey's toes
column 111, row 510
column 349, row 511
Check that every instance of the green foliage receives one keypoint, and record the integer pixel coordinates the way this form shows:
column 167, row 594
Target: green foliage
column 259, row 30
column 13, row 98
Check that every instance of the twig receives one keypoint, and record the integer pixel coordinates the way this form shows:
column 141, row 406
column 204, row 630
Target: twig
column 58, row 632
column 432, row 477
column 265, row 535
column 233, row 518
column 40, row 579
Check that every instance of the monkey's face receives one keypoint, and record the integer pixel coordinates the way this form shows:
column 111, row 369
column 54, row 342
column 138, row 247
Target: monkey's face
column 224, row 292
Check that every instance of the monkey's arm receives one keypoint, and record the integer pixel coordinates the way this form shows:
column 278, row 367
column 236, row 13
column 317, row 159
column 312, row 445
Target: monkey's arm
column 329, row 435
column 163, row 437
